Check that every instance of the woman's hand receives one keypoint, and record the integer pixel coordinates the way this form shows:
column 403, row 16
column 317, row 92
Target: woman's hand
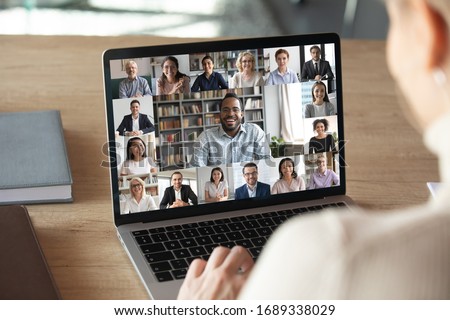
column 222, row 277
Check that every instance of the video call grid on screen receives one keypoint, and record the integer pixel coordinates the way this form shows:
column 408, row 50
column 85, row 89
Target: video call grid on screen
column 179, row 119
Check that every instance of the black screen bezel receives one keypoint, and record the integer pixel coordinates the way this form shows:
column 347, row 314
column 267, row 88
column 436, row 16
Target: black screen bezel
column 212, row 46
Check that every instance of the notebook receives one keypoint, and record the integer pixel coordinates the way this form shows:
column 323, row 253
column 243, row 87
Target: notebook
column 217, row 143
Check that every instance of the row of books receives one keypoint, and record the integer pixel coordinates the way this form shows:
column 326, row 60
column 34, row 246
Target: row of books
column 191, row 136
column 173, row 159
column 193, row 108
column 170, row 137
column 165, row 111
column 168, row 124
column 210, row 94
column 253, row 115
column 212, row 119
column 176, row 137
column 212, row 107
column 193, row 122
column 174, row 110
column 253, row 104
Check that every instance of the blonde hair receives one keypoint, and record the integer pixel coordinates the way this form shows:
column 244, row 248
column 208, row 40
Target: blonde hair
column 242, row 55
column 321, row 156
column 141, row 182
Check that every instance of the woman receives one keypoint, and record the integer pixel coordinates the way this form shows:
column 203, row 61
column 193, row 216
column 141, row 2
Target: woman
column 171, row 81
column 322, row 142
column 402, row 254
column 322, row 178
column 209, row 80
column 216, row 189
column 321, row 106
column 137, row 161
column 289, row 180
column 282, row 74
column 247, row 75
column 139, row 200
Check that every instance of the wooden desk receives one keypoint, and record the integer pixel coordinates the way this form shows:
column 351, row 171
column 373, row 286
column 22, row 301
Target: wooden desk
column 388, row 165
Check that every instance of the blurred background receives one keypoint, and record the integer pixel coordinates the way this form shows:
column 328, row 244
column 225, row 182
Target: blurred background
column 364, row 19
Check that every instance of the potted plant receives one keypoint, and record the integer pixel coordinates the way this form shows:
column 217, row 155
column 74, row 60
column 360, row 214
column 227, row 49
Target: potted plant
column 277, row 146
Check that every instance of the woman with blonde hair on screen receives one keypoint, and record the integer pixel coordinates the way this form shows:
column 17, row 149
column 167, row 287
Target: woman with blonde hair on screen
column 247, row 75
column 139, row 200
column 403, row 254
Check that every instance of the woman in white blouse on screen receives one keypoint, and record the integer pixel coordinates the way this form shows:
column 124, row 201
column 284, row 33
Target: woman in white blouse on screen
column 247, row 75
column 139, row 200
column 137, row 162
column 216, row 189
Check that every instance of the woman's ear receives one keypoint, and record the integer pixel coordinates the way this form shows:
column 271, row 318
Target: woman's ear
column 437, row 29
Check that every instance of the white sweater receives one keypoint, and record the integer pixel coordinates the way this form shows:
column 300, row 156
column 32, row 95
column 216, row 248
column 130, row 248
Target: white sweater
column 359, row 255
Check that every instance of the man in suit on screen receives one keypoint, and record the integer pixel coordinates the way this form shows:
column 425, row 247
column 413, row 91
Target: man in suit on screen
column 136, row 123
column 316, row 69
column 179, row 194
column 252, row 188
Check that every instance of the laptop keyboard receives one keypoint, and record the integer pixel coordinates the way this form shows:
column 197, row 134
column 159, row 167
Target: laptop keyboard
column 170, row 250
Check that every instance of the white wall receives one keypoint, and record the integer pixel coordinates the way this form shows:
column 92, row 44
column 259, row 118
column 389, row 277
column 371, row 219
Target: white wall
column 272, row 110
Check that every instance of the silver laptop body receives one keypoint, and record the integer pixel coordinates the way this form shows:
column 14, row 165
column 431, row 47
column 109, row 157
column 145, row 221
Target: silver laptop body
column 171, row 134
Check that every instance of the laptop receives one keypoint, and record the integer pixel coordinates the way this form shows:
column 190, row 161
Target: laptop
column 190, row 170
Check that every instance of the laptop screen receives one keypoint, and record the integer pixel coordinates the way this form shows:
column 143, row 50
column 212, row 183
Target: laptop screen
column 204, row 127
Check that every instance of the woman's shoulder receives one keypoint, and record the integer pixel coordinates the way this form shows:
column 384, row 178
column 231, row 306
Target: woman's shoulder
column 256, row 76
column 278, row 182
column 126, row 163
column 236, row 75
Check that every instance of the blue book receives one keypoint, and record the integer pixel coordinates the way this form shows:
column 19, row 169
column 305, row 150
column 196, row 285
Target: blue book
column 34, row 166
